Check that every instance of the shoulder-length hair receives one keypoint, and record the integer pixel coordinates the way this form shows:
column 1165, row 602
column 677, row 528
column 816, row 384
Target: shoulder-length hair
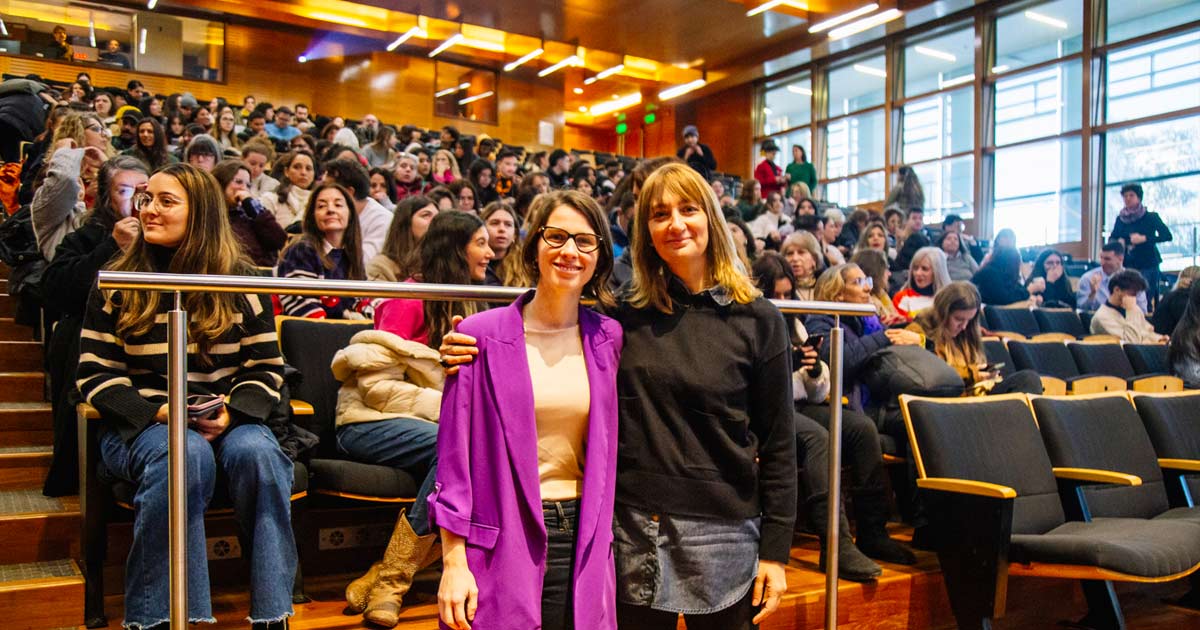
column 874, row 264
column 806, row 242
column 864, row 237
column 208, row 248
column 279, row 172
column 311, row 234
column 453, row 162
column 650, row 272
column 965, row 349
column 1039, row 270
column 832, row 282
column 400, row 243
column 103, row 211
column 937, row 262
column 1185, row 339
column 539, row 215
column 441, row 258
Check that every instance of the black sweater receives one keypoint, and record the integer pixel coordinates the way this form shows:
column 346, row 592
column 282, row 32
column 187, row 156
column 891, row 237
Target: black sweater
column 998, row 289
column 1144, row 256
column 706, row 425
column 79, row 257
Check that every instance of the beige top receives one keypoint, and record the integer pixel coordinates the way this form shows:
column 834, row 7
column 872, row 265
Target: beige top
column 561, row 399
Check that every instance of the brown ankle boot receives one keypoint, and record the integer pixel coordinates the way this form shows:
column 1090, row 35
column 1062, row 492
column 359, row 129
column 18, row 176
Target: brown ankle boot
column 406, row 554
column 359, row 590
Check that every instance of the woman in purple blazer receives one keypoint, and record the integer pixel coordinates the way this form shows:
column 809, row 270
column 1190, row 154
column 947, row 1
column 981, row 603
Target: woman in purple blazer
column 527, row 442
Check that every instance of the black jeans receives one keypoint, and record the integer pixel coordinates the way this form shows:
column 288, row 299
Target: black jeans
column 860, row 449
column 736, row 617
column 558, row 607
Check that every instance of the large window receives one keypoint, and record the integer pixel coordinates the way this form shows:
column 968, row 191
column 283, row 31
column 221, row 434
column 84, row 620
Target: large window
column 463, row 92
column 1037, row 33
column 939, row 63
column 1153, row 78
column 1041, row 103
column 855, row 144
column 107, row 36
column 939, row 126
column 1132, row 18
column 1038, row 191
column 857, row 86
column 788, row 104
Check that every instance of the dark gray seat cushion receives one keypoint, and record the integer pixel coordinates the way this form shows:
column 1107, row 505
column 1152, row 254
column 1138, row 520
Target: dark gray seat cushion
column 123, row 490
column 1180, row 514
column 370, row 480
column 1153, row 548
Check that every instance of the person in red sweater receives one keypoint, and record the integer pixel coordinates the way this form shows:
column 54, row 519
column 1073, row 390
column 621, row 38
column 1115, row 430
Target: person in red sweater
column 768, row 173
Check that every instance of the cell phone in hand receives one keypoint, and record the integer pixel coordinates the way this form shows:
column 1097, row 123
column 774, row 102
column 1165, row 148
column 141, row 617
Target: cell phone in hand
column 993, row 367
column 815, row 342
column 204, row 407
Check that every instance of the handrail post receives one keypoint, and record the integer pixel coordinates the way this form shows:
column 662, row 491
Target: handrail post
column 177, row 461
column 833, row 518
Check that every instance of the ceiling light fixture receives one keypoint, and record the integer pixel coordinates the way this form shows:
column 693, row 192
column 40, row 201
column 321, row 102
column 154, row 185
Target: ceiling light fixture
column 409, row 34
column 845, row 17
column 680, row 90
column 609, row 107
column 578, row 90
column 864, row 24
column 454, row 39
column 871, row 70
column 582, row 109
column 999, row 69
column 451, row 90
column 955, row 81
column 573, row 60
column 151, row 4
column 3, row 28
column 1046, row 19
column 608, row 72
column 302, row 59
column 936, row 54
column 771, row 4
column 91, row 31
column 477, row 97
column 142, row 43
column 799, row 89
column 529, row 56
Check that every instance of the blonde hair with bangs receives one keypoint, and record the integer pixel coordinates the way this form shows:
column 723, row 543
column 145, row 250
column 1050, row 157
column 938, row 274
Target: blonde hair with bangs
column 649, row 288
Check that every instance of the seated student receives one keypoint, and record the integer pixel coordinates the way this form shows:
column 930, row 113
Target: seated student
column 960, row 264
column 256, row 229
column 383, row 188
column 926, row 276
column 296, row 173
column 803, row 254
column 234, row 354
column 408, row 180
column 1057, row 291
column 409, row 224
column 1184, row 353
column 258, row 155
column 951, row 329
column 771, row 227
column 78, row 148
column 1120, row 316
column 373, row 218
column 398, row 429
column 1093, row 284
column 329, row 248
column 999, row 280
column 202, row 152
column 504, row 237
column 874, row 263
column 1172, row 307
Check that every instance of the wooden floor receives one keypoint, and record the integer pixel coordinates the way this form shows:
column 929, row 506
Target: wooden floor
column 903, row 598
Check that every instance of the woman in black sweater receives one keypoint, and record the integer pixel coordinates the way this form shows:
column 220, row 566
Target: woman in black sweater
column 107, row 231
column 234, row 354
column 1140, row 231
column 999, row 280
column 1057, row 291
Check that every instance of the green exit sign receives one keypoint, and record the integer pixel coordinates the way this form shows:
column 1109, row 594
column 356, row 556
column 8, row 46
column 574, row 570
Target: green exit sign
column 622, row 128
column 650, row 118
column 620, row 117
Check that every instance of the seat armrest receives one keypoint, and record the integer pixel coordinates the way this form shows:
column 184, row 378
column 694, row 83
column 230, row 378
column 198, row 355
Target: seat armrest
column 1156, row 383
column 967, row 486
column 1095, row 384
column 301, row 408
column 1189, row 465
column 1093, row 475
column 1007, row 335
column 1052, row 336
column 86, row 411
column 1053, row 386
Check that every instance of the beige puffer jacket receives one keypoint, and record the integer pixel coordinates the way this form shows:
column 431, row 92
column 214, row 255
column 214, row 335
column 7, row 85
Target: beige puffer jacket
column 385, row 376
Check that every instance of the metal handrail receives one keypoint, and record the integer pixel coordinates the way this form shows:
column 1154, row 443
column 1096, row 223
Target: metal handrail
column 177, row 385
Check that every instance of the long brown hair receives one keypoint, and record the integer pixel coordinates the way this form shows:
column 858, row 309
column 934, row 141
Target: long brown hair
column 351, row 239
column 441, row 258
column 208, row 248
column 649, row 288
column 965, row 350
column 400, row 242
column 510, row 269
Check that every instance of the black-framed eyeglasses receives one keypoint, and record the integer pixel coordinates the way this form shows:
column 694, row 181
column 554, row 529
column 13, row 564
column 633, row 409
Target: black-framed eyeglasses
column 585, row 242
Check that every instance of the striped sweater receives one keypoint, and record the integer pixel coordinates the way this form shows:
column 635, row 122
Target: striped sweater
column 302, row 261
column 126, row 379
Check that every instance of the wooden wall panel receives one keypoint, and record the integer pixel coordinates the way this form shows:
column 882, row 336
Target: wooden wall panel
column 396, row 88
column 589, row 139
column 725, row 124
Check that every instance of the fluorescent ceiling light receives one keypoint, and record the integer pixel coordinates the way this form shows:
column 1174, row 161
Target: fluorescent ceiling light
column 409, row 34
column 999, row 69
column 604, row 74
column 799, row 89
column 91, row 32
column 871, row 70
column 3, row 28
column 955, row 81
column 935, row 53
column 680, row 90
column 302, row 59
column 142, row 43
column 477, row 97
column 865, row 23
column 845, row 17
column 582, row 109
column 1046, row 19
column 150, row 4
column 578, row 90
column 529, row 56
column 451, row 90
column 764, row 7
column 454, row 39
column 573, row 60
column 609, row 107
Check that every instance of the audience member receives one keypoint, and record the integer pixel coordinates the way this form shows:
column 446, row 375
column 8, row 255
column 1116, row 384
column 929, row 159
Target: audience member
column 445, row 167
column 1184, row 351
column 481, row 176
column 1120, row 316
column 383, row 188
column 329, row 248
column 296, row 174
column 258, row 155
column 771, row 226
column 225, row 131
column 697, row 155
column 202, row 152
column 960, row 264
column 506, row 176
column 1092, row 292
column 907, row 193
column 768, row 174
column 78, row 149
column 504, row 237
column 750, row 201
column 1056, row 288
column 1140, row 231
column 151, row 147
column 408, row 181
column 254, row 226
column 875, row 265
column 373, row 219
column 834, row 220
column 801, row 171
column 1172, row 307
column 464, row 194
column 803, row 255
column 999, row 279
column 409, row 224
column 927, row 275
column 796, row 193
column 381, row 152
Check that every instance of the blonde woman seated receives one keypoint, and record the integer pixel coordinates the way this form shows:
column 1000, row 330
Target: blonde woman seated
column 951, row 329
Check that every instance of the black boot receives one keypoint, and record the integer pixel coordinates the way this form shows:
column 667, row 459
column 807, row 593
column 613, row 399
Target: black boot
column 871, row 511
column 282, row 624
column 852, row 564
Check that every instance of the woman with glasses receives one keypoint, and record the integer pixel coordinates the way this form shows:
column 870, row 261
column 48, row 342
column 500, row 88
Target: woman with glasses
column 67, row 185
column 225, row 130
column 524, row 492
column 233, row 356
column 387, row 415
column 1057, row 292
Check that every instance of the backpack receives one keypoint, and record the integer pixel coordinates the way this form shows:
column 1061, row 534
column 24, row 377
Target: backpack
column 18, row 243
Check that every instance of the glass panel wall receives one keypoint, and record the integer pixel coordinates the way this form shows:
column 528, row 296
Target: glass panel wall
column 1037, row 33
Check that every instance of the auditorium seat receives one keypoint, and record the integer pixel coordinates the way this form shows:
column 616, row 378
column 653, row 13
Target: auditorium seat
column 1011, row 322
column 991, row 496
column 1053, row 362
column 1173, row 423
column 309, row 345
column 997, row 352
column 1110, row 359
column 1059, row 320
column 1148, row 358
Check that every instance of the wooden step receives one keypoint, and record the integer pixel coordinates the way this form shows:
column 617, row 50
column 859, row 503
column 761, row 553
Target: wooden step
column 22, row 387
column 26, row 424
column 11, row 331
column 47, row 528
column 24, row 466
column 21, row 356
column 41, row 594
column 8, row 304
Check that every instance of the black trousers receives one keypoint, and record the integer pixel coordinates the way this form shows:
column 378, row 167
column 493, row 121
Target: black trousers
column 562, row 522
column 860, row 451
column 736, row 617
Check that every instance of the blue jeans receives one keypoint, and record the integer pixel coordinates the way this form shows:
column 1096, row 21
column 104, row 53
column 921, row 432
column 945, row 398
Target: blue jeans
column 405, row 443
column 260, row 485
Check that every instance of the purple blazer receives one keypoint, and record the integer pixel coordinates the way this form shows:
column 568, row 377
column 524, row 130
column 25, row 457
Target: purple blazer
column 487, row 487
